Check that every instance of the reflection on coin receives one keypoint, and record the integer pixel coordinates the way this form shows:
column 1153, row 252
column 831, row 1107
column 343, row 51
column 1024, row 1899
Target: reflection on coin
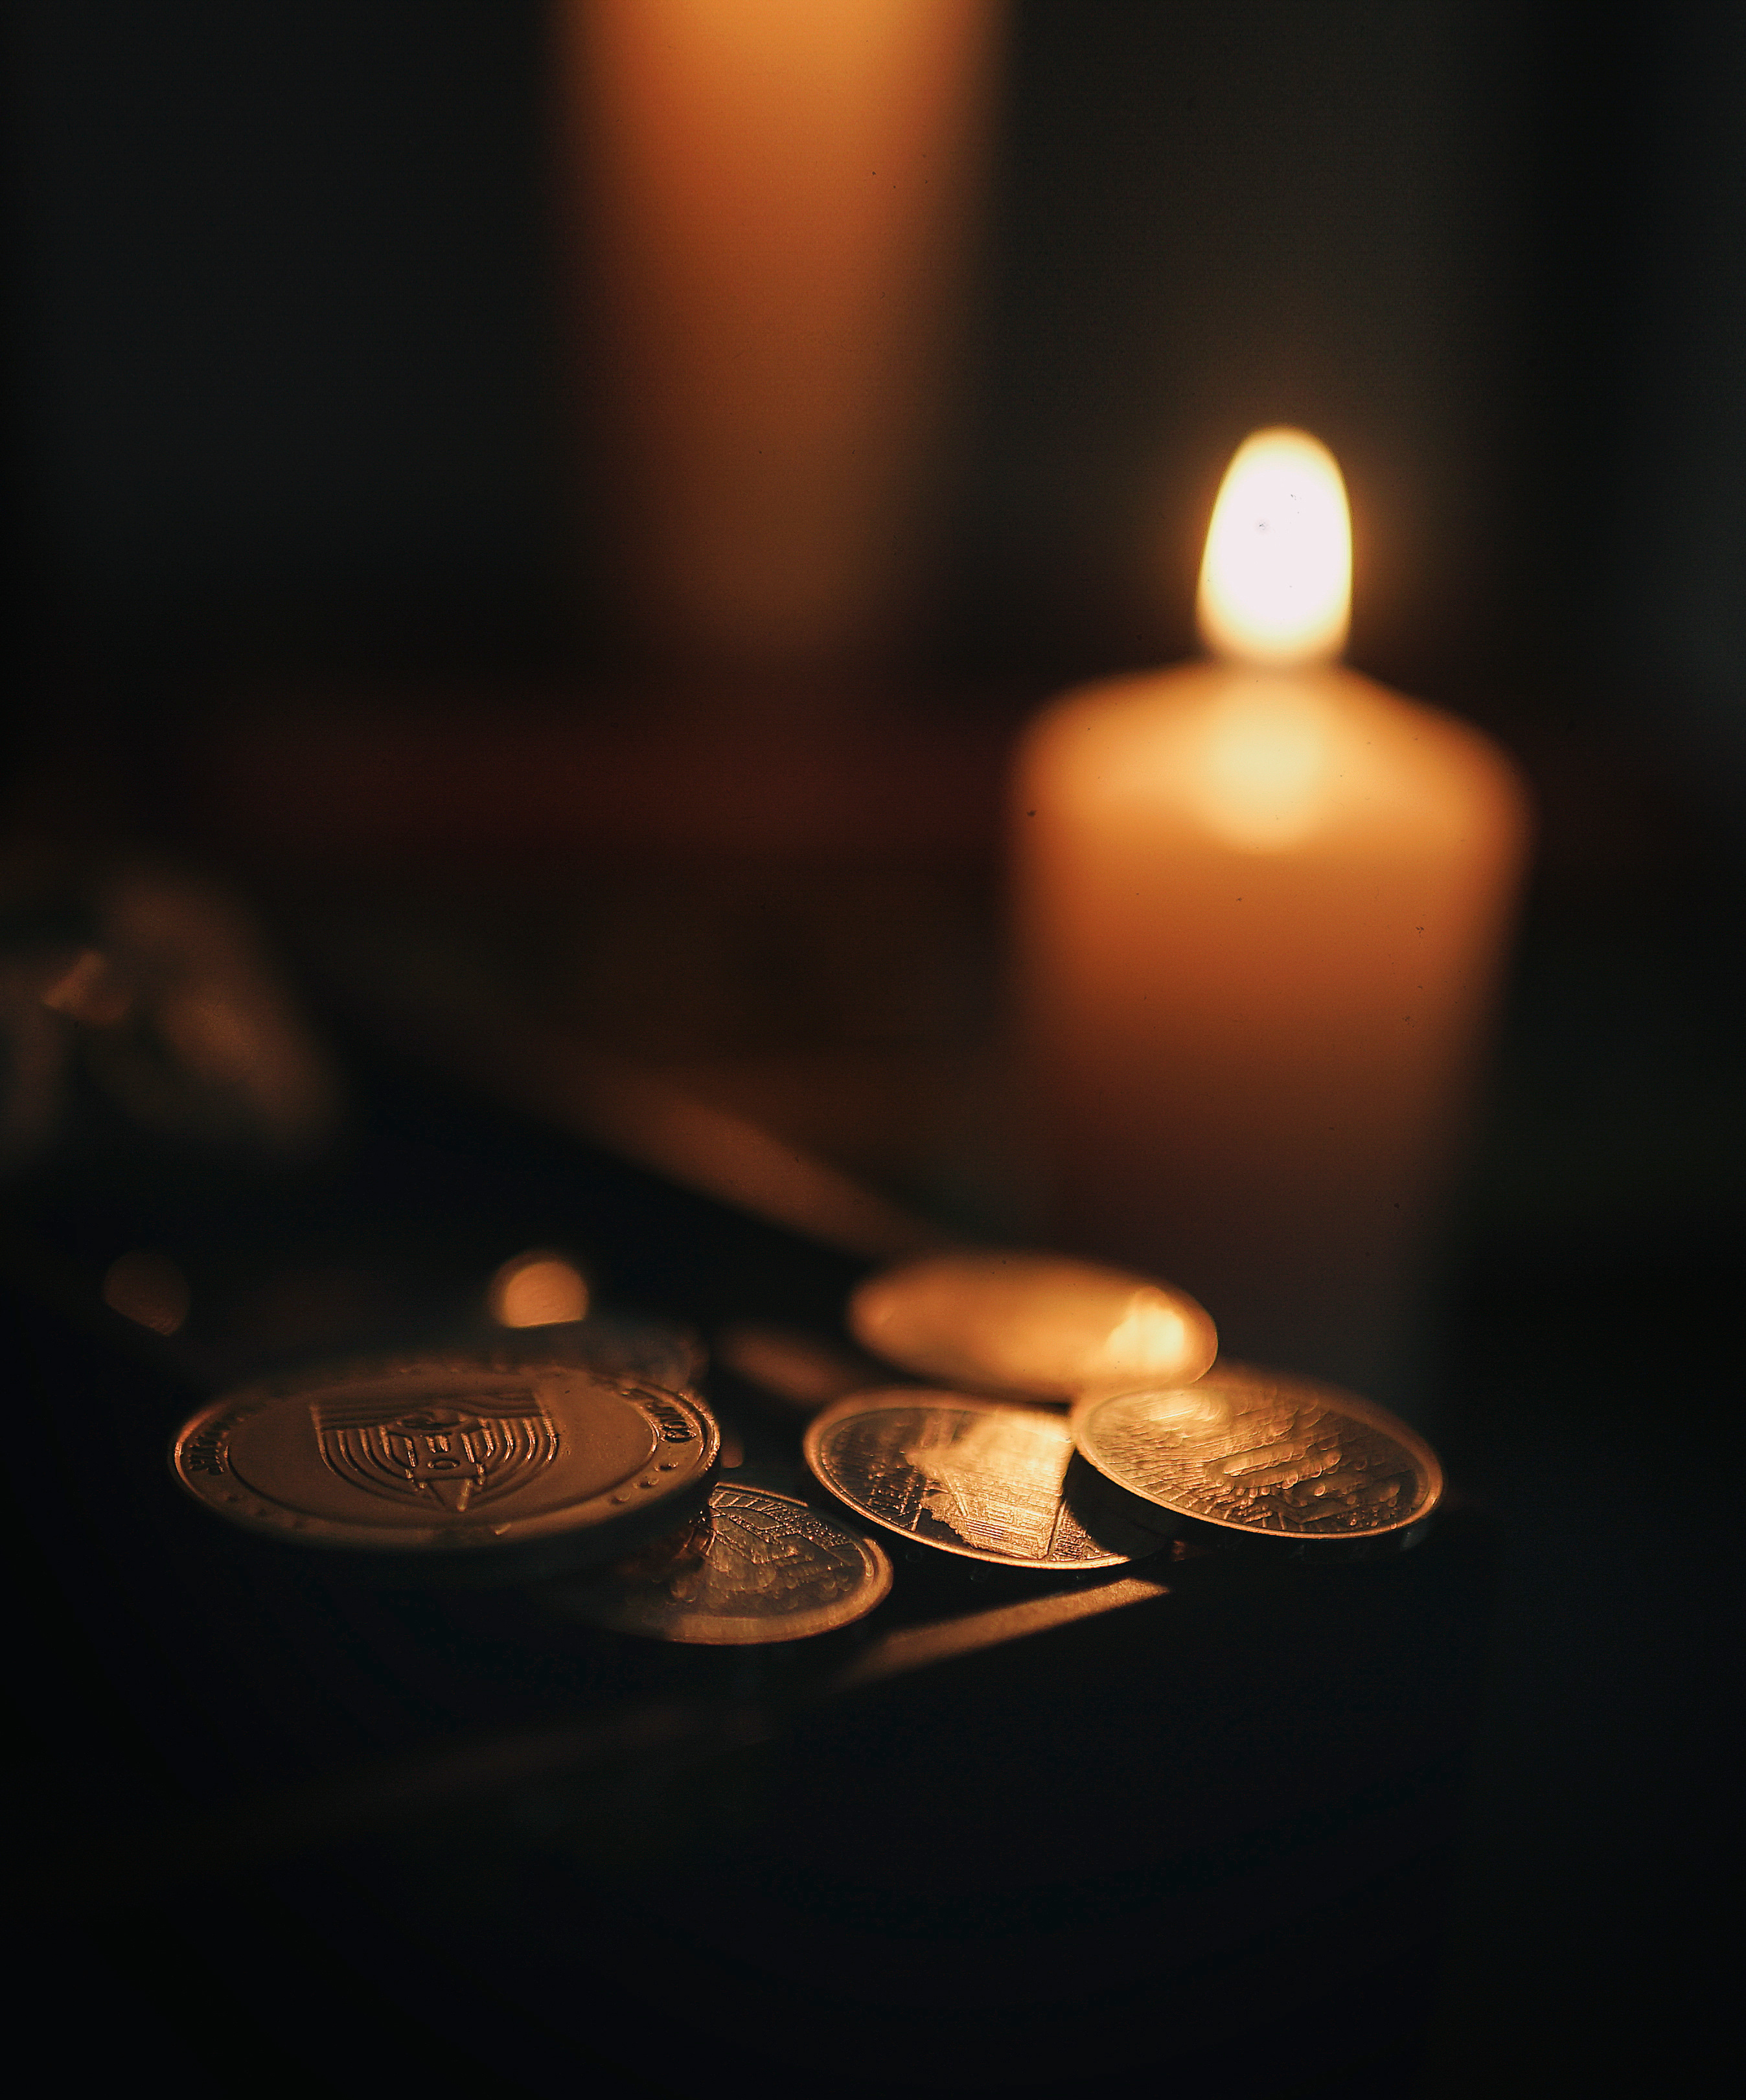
column 434, row 1464
column 753, row 1567
column 1260, row 1453
column 991, row 1480
column 1032, row 1324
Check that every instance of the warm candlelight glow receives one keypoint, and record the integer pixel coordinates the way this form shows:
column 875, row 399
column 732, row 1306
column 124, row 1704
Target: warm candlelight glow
column 1262, row 904
column 1152, row 1331
column 780, row 194
column 1262, row 777
column 1034, row 1324
column 1277, row 581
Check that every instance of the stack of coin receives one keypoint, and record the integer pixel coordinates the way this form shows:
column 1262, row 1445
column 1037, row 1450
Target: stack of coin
column 1243, row 1450
column 500, row 1467
column 508, row 1467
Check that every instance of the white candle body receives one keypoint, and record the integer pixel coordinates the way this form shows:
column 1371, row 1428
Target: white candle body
column 1261, row 916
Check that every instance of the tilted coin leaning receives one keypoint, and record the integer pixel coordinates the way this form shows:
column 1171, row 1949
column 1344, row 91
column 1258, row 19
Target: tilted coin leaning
column 1263, row 1454
column 1036, row 1324
column 754, row 1567
column 990, row 1480
column 442, row 1464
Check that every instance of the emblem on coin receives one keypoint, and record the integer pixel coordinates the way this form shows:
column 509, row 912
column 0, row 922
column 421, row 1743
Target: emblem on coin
column 1035, row 1325
column 457, row 1452
column 991, row 1480
column 754, row 1567
column 531, row 1465
column 1260, row 1453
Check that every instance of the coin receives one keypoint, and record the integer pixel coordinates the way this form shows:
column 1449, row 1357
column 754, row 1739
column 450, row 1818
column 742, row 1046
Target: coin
column 1031, row 1324
column 446, row 1463
column 991, row 1480
column 753, row 1567
column 1258, row 1452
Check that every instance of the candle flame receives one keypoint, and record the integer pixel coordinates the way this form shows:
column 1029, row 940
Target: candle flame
column 1275, row 584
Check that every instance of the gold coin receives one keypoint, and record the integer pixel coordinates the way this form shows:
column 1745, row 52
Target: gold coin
column 430, row 1462
column 1031, row 1324
column 1261, row 1453
column 754, row 1567
column 991, row 1480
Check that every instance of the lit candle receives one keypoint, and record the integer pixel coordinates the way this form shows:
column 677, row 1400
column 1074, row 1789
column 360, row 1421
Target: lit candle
column 778, row 195
column 1262, row 904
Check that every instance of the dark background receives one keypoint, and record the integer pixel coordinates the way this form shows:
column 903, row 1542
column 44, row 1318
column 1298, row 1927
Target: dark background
column 292, row 382
column 294, row 411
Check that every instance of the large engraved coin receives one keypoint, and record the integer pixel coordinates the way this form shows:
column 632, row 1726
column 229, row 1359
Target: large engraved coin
column 449, row 1464
column 1259, row 1453
column 990, row 1480
column 753, row 1567
column 1032, row 1324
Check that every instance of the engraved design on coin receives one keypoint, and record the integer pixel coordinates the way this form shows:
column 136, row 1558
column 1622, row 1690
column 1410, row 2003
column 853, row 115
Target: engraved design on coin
column 456, row 1451
column 754, row 1567
column 528, row 1465
column 1259, row 1453
column 987, row 1479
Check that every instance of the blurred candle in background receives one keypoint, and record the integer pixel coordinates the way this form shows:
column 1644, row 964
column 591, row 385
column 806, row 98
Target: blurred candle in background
column 1262, row 907
column 778, row 196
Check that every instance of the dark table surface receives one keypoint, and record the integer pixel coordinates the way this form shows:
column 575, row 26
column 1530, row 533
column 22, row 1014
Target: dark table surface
column 1213, row 1826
